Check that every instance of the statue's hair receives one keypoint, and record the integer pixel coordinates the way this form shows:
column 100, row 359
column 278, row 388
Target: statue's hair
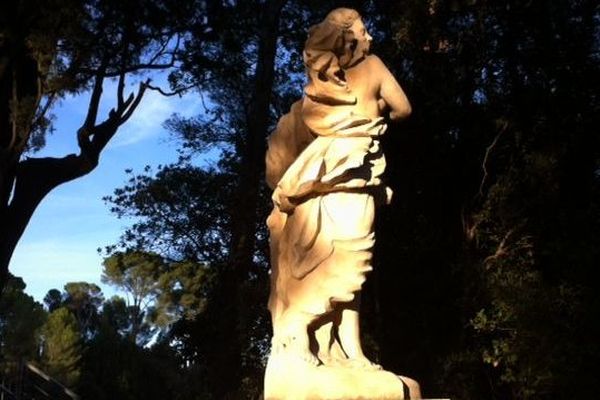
column 328, row 49
column 332, row 35
column 343, row 17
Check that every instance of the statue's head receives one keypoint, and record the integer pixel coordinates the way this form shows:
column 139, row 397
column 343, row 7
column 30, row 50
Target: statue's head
column 356, row 39
column 343, row 34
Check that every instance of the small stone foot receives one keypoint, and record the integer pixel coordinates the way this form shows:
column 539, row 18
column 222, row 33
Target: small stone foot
column 295, row 345
column 359, row 363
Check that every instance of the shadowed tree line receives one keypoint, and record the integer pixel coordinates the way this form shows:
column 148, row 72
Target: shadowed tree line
column 483, row 284
column 106, row 348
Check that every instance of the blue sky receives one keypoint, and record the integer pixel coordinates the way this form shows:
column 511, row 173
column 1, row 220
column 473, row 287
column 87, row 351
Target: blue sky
column 59, row 244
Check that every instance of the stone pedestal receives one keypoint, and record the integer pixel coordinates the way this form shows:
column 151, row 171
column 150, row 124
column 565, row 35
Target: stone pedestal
column 290, row 378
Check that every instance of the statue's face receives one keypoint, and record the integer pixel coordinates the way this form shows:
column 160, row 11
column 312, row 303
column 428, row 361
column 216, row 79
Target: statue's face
column 362, row 37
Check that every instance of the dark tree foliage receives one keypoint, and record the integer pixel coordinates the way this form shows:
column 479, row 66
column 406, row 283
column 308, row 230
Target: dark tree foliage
column 20, row 319
column 494, row 230
column 100, row 360
column 172, row 214
column 115, row 368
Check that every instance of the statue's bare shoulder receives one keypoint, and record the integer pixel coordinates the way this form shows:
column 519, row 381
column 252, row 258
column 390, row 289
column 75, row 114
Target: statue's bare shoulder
column 374, row 61
column 389, row 90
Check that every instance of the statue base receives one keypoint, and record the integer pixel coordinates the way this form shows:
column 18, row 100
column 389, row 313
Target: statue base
column 290, row 378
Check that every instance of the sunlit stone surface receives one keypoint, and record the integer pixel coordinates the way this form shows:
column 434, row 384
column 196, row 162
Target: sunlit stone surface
column 324, row 165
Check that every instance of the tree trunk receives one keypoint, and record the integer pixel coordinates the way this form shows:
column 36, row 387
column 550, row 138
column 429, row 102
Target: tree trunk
column 244, row 213
column 20, row 91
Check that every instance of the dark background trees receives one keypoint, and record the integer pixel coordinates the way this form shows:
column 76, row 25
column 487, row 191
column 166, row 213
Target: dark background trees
column 483, row 284
column 495, row 224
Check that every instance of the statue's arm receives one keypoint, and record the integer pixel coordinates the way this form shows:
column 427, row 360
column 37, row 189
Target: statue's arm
column 391, row 92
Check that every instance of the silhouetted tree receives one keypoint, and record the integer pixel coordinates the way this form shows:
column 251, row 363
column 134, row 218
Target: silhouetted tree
column 52, row 48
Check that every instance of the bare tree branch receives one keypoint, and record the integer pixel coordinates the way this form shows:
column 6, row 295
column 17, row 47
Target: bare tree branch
column 90, row 119
column 138, row 67
column 161, row 52
column 177, row 92
column 113, row 72
column 45, row 108
column 135, row 102
column 15, row 100
column 487, row 155
column 206, row 110
column 120, row 88
column 501, row 250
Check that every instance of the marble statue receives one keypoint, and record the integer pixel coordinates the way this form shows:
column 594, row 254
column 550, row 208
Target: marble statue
column 324, row 163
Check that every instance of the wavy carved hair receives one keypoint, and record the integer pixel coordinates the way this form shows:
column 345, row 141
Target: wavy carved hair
column 328, row 49
column 343, row 17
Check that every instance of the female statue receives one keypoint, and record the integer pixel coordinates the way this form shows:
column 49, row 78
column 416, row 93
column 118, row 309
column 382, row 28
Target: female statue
column 324, row 164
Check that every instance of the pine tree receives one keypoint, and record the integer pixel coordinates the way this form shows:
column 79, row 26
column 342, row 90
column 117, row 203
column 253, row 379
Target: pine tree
column 62, row 347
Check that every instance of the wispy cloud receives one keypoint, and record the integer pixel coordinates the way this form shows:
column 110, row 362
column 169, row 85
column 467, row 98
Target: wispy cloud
column 147, row 120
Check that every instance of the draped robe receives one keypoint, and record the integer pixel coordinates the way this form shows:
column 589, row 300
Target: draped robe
column 324, row 163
